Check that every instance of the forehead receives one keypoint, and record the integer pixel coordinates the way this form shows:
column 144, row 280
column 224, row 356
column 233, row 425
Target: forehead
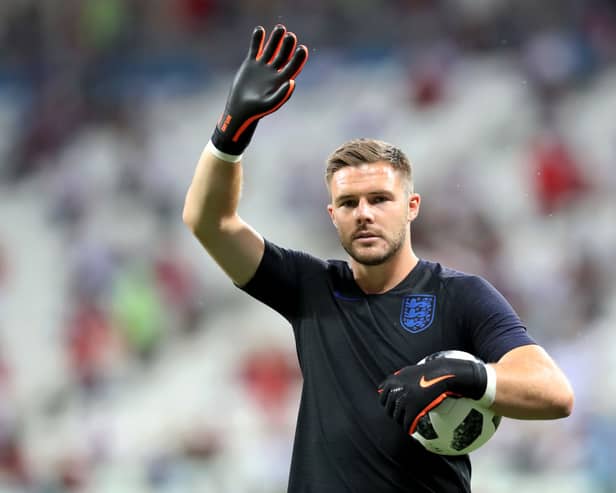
column 365, row 177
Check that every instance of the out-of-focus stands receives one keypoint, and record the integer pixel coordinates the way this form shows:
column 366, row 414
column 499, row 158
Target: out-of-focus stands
column 128, row 361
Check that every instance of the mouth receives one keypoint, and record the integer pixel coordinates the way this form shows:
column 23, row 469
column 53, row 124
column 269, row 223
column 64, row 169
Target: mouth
column 365, row 236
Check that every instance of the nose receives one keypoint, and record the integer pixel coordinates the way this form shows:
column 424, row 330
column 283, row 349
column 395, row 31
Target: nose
column 363, row 212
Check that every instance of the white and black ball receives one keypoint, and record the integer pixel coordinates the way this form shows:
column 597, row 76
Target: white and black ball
column 458, row 425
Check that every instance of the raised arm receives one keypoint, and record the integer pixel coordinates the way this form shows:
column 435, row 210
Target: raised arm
column 210, row 211
column 263, row 83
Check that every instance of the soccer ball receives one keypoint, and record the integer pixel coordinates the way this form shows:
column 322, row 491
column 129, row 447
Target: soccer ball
column 458, row 425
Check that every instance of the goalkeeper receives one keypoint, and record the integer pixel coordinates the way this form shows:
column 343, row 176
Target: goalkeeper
column 361, row 326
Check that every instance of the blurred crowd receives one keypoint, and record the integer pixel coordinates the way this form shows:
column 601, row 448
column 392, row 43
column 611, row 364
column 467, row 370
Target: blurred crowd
column 128, row 362
column 72, row 63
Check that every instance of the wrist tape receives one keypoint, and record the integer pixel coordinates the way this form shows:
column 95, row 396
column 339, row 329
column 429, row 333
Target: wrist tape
column 223, row 156
column 490, row 394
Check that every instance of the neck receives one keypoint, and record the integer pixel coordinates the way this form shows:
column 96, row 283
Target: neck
column 377, row 279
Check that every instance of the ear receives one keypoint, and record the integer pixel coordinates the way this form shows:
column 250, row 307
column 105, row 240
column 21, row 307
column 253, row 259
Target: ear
column 414, row 203
column 330, row 211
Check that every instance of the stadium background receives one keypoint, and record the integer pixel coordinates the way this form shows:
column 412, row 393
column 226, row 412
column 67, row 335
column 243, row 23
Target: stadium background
column 129, row 363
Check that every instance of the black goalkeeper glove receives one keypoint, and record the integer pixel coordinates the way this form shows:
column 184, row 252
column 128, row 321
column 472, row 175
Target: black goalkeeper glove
column 414, row 390
column 263, row 83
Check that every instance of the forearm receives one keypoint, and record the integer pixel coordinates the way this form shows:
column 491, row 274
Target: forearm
column 213, row 195
column 531, row 386
column 263, row 83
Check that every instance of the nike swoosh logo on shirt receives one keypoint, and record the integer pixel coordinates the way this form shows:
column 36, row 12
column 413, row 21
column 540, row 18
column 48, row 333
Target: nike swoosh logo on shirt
column 424, row 384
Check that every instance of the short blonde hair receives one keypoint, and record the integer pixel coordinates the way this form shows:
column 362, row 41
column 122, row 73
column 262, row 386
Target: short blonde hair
column 367, row 151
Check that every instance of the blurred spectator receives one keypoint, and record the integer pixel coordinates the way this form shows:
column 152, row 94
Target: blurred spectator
column 558, row 178
column 90, row 345
column 269, row 376
column 552, row 59
column 137, row 311
column 73, row 473
column 182, row 294
column 194, row 14
column 14, row 468
column 91, row 266
column 103, row 24
column 426, row 87
column 428, row 75
column 50, row 121
column 600, row 25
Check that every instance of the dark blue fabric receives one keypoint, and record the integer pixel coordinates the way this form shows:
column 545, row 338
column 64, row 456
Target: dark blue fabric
column 347, row 342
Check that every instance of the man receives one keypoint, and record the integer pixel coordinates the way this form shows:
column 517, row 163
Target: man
column 358, row 336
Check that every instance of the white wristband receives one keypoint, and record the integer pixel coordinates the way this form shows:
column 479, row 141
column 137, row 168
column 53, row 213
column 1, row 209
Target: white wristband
column 490, row 394
column 223, row 156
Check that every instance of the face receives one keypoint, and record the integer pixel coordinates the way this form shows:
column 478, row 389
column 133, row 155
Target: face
column 371, row 209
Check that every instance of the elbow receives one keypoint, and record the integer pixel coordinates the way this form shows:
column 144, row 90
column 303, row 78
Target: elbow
column 195, row 222
column 565, row 407
column 193, row 217
column 562, row 404
column 203, row 226
column 190, row 219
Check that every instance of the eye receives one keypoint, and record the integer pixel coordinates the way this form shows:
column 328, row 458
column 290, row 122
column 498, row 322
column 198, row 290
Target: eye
column 378, row 199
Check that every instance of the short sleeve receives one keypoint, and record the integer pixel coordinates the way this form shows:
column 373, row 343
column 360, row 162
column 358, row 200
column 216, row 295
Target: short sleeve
column 278, row 280
column 494, row 325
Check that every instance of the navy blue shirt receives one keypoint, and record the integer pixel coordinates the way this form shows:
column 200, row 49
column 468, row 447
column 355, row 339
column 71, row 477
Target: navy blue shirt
column 348, row 342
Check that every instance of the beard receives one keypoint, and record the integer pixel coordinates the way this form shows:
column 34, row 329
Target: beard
column 371, row 258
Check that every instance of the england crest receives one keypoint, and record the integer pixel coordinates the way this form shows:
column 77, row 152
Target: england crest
column 417, row 312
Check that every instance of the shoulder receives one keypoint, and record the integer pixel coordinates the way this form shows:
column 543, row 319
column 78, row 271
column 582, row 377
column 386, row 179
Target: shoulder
column 303, row 263
column 337, row 268
column 466, row 289
column 452, row 279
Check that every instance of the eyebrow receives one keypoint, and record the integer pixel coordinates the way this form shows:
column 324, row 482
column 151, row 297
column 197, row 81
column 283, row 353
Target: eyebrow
column 342, row 198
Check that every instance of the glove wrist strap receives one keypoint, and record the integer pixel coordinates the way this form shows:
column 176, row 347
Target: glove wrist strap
column 490, row 393
column 223, row 156
column 225, row 144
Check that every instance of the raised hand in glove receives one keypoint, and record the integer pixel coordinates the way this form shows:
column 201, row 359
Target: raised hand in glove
column 411, row 392
column 263, row 83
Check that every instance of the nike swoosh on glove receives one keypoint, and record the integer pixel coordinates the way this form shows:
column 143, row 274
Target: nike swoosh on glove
column 414, row 390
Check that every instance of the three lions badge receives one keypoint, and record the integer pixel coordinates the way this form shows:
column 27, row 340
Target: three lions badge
column 417, row 312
